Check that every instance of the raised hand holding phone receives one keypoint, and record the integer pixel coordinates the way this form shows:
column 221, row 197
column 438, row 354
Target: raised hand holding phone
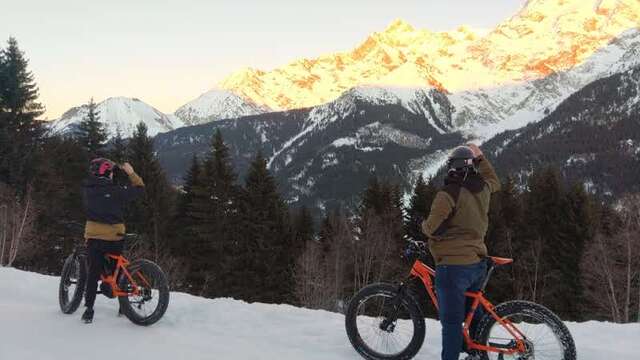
column 127, row 168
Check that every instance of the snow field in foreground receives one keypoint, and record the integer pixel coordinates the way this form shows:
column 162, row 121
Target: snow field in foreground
column 32, row 327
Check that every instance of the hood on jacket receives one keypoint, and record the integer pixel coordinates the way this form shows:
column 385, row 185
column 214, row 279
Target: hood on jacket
column 473, row 182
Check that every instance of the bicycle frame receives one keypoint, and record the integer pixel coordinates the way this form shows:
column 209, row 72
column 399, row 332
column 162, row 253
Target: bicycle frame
column 121, row 266
column 426, row 275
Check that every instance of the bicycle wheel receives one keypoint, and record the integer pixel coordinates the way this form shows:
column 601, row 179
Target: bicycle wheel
column 151, row 303
column 73, row 282
column 546, row 337
column 383, row 325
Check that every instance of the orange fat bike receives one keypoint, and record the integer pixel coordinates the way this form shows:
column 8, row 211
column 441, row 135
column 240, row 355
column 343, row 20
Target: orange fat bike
column 141, row 286
column 385, row 321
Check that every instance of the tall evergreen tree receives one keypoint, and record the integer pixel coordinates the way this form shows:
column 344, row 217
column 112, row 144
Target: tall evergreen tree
column 544, row 202
column 20, row 132
column 266, row 234
column 118, row 151
column 337, row 260
column 505, row 217
column 57, row 192
column 91, row 132
column 183, row 225
column 19, row 91
column 579, row 227
column 303, row 231
column 215, row 211
column 325, row 234
column 3, row 80
column 191, row 180
column 150, row 215
column 372, row 197
column 380, row 228
column 419, row 208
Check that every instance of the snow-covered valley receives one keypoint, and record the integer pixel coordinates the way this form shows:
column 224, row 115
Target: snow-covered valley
column 32, row 327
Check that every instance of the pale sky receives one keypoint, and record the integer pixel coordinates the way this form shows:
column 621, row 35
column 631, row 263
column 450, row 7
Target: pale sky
column 167, row 52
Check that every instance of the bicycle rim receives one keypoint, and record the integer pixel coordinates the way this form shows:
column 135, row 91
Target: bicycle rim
column 71, row 281
column 541, row 340
column 380, row 333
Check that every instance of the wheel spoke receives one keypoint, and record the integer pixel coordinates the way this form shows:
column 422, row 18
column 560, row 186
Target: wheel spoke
column 541, row 341
column 147, row 300
column 394, row 337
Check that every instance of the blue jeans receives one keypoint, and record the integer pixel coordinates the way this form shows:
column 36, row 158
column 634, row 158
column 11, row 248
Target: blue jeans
column 451, row 283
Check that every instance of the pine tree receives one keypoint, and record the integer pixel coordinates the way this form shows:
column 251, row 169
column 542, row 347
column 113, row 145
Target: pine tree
column 372, row 197
column 419, row 208
column 579, row 227
column 266, row 233
column 3, row 79
column 20, row 133
column 393, row 218
column 544, row 203
column 302, row 230
column 337, row 266
column 191, row 180
column 91, row 132
column 118, row 151
column 5, row 129
column 19, row 91
column 183, row 224
column 380, row 228
column 325, row 234
column 215, row 212
column 505, row 217
column 150, row 215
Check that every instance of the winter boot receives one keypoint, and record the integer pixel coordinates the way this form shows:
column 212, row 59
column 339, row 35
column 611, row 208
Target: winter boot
column 87, row 317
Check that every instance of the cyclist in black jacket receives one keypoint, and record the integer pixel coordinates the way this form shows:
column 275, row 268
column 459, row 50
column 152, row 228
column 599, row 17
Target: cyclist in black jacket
column 104, row 230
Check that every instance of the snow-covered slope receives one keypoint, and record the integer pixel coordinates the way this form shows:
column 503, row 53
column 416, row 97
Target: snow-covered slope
column 593, row 137
column 121, row 113
column 484, row 112
column 32, row 327
column 544, row 37
column 217, row 105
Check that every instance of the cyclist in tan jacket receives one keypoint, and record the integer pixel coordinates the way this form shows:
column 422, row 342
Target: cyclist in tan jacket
column 456, row 228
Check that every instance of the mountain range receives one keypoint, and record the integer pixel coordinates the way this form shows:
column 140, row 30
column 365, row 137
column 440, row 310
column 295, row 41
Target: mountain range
column 120, row 114
column 593, row 137
column 400, row 100
column 544, row 37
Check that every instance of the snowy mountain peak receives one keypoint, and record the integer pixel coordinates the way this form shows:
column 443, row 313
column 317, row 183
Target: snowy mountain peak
column 217, row 104
column 120, row 113
column 544, row 37
column 399, row 26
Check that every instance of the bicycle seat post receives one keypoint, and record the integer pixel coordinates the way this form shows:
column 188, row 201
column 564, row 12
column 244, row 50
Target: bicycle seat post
column 491, row 266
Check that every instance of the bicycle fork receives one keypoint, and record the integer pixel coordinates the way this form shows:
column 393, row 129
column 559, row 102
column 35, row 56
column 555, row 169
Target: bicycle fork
column 388, row 324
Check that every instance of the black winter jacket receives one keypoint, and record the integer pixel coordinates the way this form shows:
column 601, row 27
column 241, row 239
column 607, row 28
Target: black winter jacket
column 105, row 201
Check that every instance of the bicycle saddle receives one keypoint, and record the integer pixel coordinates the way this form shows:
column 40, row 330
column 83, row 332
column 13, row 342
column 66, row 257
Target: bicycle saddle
column 499, row 261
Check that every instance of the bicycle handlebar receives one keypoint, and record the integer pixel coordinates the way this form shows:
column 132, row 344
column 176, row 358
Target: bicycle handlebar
column 413, row 247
